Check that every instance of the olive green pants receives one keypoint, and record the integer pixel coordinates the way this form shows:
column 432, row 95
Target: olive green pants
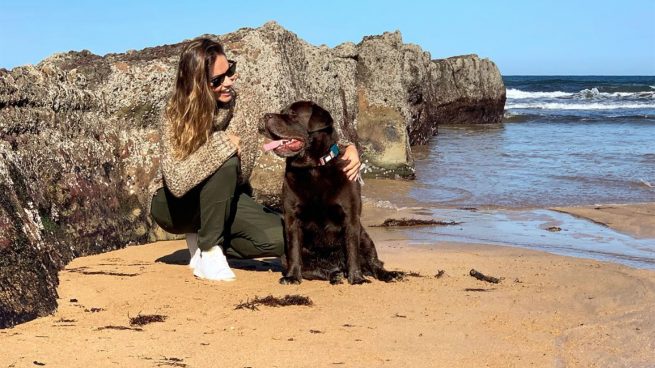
column 221, row 215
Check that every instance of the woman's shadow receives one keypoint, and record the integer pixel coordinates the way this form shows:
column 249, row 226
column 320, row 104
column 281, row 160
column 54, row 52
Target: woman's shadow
column 181, row 257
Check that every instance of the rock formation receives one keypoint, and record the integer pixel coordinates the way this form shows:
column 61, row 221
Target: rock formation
column 79, row 139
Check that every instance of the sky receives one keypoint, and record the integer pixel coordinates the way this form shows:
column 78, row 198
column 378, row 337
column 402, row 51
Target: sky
column 529, row 37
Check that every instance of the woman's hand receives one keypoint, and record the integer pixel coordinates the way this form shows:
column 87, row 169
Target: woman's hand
column 236, row 141
column 352, row 168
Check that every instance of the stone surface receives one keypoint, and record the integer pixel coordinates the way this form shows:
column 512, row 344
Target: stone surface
column 470, row 90
column 79, row 140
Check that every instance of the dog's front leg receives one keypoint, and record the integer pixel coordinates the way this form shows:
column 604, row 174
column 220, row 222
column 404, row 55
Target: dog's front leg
column 355, row 275
column 293, row 251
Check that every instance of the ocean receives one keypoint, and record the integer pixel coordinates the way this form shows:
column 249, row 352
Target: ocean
column 564, row 141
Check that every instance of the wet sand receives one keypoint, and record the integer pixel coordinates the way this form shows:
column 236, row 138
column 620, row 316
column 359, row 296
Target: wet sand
column 621, row 233
column 637, row 219
column 548, row 311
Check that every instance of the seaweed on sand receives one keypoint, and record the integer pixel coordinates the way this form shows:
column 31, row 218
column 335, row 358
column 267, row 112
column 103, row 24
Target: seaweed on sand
column 83, row 271
column 413, row 274
column 272, row 301
column 112, row 327
column 144, row 319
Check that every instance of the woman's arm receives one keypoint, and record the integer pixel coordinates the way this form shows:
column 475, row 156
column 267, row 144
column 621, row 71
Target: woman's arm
column 350, row 153
column 352, row 169
column 181, row 176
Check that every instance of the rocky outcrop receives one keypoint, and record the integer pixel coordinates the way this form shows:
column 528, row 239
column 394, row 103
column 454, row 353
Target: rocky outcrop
column 28, row 262
column 79, row 139
column 403, row 96
column 470, row 90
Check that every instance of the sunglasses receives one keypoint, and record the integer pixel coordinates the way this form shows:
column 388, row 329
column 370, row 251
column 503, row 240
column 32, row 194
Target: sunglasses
column 219, row 79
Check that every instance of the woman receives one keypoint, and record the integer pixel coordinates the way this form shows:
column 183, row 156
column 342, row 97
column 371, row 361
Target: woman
column 201, row 193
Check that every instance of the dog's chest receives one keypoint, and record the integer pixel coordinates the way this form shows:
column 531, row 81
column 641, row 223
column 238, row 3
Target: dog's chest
column 321, row 198
column 319, row 185
column 322, row 226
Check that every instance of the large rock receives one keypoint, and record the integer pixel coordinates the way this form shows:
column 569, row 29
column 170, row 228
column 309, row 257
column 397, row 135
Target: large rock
column 79, row 140
column 403, row 95
column 469, row 90
column 28, row 260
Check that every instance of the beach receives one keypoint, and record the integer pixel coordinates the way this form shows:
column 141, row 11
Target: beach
column 627, row 218
column 557, row 203
column 508, row 180
column 546, row 311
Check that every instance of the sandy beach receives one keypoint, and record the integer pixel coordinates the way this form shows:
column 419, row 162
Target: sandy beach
column 515, row 164
column 637, row 219
column 547, row 311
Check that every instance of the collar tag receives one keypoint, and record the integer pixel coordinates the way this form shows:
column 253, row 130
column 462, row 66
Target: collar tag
column 334, row 152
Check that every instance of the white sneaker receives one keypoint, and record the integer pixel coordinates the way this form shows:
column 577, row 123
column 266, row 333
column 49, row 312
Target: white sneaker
column 192, row 244
column 212, row 265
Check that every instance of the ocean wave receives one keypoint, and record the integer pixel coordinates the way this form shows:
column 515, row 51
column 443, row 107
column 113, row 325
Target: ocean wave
column 607, row 181
column 595, row 93
column 511, row 117
column 585, row 94
column 578, row 106
column 518, row 94
column 520, row 116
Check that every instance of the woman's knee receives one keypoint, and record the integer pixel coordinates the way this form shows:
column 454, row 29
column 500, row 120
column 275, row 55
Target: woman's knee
column 265, row 243
column 160, row 211
column 161, row 215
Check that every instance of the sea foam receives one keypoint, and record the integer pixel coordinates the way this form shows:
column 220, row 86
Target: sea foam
column 518, row 94
column 578, row 106
column 591, row 93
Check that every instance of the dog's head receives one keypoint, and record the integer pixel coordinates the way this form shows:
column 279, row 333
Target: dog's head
column 302, row 129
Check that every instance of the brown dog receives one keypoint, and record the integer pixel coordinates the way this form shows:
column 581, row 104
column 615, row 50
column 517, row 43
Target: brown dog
column 322, row 208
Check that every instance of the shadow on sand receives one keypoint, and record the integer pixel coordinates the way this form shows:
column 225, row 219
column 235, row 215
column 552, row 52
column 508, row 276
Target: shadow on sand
column 181, row 257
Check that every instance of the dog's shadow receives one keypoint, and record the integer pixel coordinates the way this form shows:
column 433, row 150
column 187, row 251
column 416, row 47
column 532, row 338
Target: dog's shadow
column 181, row 257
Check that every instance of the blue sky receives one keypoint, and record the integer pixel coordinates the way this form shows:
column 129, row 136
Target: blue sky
column 523, row 37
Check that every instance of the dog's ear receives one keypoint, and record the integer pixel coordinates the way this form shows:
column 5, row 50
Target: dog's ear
column 320, row 119
column 299, row 111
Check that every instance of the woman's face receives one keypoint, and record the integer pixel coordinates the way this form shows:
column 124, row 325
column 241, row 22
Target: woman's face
column 222, row 92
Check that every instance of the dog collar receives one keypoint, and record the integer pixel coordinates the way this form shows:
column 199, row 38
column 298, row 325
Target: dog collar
column 334, row 152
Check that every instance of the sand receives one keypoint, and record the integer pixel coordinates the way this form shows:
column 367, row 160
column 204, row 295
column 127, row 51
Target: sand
column 548, row 311
column 637, row 219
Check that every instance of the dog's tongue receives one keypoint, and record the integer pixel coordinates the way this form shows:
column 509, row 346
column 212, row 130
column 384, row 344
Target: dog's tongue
column 273, row 144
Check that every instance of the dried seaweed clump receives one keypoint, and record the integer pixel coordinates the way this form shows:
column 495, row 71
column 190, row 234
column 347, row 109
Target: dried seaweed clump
column 121, row 328
column 144, row 319
column 273, row 301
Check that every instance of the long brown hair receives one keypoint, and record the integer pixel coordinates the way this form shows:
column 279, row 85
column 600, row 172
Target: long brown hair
column 192, row 106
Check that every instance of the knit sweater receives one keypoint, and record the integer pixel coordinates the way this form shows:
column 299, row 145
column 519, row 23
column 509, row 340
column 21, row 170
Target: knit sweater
column 180, row 176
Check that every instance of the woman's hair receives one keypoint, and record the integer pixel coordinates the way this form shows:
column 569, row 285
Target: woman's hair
column 192, row 106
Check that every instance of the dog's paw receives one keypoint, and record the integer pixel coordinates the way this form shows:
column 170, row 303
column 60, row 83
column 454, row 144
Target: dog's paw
column 290, row 280
column 390, row 276
column 356, row 278
column 336, row 278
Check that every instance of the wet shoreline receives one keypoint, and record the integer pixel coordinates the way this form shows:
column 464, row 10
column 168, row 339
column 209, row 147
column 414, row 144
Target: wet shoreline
column 571, row 231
